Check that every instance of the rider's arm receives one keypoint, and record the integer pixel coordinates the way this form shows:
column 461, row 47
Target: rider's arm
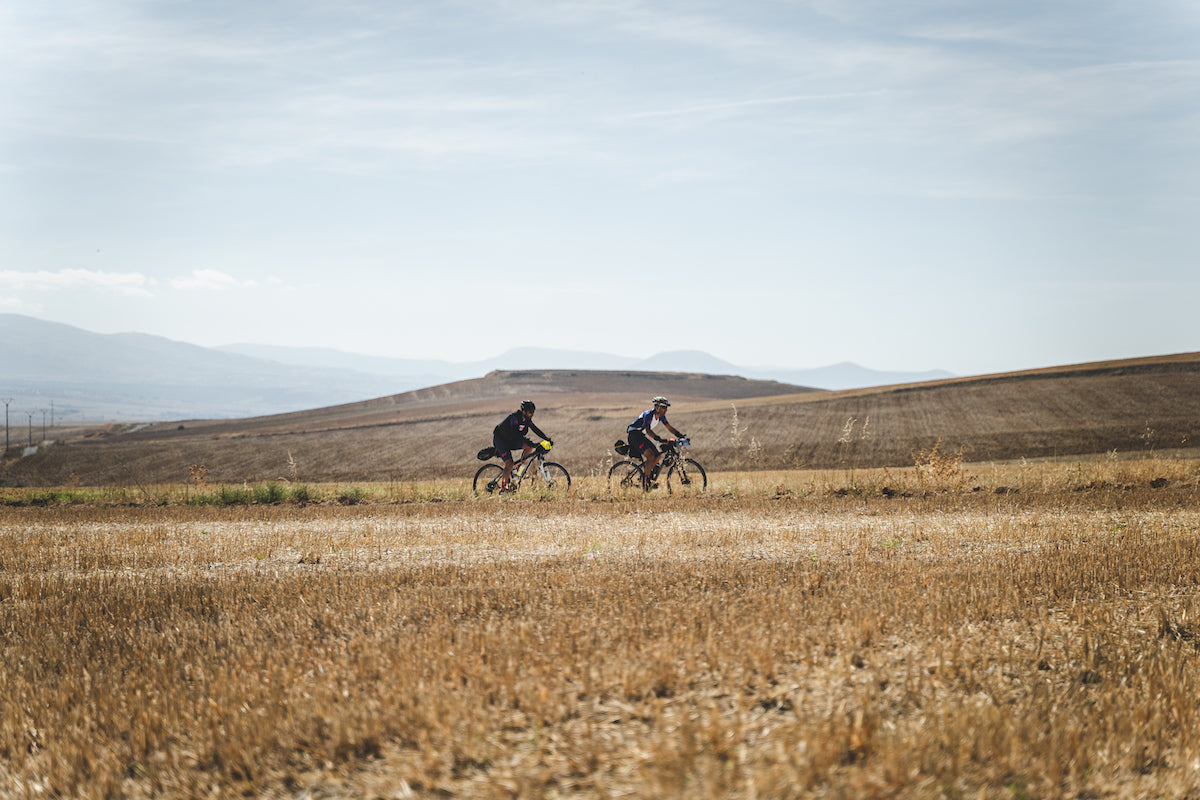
column 538, row 431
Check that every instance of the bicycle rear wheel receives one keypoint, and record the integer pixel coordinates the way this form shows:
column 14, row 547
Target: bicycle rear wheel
column 625, row 476
column 686, row 477
column 487, row 479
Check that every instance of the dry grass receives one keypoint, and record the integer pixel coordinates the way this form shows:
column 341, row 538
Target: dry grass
column 1025, row 630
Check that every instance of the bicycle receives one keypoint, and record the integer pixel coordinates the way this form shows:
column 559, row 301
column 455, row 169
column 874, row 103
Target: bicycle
column 549, row 476
column 684, row 475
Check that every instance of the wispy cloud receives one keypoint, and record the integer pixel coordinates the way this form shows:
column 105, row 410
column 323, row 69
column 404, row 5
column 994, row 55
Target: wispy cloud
column 127, row 283
column 209, row 279
column 737, row 105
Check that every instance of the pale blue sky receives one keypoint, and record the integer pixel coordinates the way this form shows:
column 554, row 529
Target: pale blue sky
column 970, row 186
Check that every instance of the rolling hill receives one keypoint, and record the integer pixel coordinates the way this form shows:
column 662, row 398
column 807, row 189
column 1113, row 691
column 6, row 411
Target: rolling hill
column 1084, row 410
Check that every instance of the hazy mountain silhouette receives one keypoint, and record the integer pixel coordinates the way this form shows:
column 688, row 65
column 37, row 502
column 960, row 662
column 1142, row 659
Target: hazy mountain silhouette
column 83, row 375
column 838, row 376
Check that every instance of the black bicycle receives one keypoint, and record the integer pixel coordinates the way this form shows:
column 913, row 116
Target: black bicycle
column 684, row 475
column 532, row 470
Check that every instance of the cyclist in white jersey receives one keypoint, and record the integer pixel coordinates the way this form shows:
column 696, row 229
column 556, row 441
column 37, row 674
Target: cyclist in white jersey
column 642, row 435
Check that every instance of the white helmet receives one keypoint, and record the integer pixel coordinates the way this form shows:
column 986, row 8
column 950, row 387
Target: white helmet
column 661, row 401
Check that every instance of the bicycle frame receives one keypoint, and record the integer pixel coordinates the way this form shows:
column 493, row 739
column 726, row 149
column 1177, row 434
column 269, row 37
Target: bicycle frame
column 552, row 475
column 669, row 457
column 686, row 473
column 670, row 452
column 521, row 466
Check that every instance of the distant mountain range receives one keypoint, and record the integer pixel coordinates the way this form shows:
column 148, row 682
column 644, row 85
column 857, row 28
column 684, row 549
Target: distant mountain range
column 47, row 368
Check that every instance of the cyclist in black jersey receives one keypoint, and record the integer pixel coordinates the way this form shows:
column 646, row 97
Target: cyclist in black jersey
column 511, row 435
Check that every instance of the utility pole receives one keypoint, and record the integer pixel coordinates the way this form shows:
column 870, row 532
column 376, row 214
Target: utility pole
column 43, row 425
column 7, row 400
column 30, row 413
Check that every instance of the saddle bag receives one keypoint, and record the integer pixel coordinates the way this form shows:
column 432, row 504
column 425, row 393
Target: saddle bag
column 622, row 447
column 486, row 453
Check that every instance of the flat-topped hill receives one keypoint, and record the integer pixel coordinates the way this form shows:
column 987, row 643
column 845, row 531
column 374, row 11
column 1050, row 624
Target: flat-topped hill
column 495, row 392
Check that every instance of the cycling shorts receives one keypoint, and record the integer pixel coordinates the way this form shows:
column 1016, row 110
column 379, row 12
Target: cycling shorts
column 505, row 451
column 641, row 442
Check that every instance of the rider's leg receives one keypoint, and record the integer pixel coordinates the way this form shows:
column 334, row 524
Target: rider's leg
column 647, row 451
column 506, row 473
column 504, row 451
column 651, row 459
column 525, row 451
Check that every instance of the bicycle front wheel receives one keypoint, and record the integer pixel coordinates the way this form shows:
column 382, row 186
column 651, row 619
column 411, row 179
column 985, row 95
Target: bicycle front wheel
column 552, row 478
column 625, row 476
column 487, row 479
column 686, row 477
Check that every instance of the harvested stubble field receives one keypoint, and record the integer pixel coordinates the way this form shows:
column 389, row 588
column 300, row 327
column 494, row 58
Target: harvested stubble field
column 1021, row 631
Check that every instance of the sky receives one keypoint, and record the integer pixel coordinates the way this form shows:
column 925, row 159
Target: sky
column 936, row 184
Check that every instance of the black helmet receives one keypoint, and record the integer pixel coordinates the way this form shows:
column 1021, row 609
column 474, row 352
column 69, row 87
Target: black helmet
column 528, row 407
column 661, row 401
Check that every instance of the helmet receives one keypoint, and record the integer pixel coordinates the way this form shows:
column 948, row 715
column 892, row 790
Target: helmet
column 528, row 407
column 661, row 401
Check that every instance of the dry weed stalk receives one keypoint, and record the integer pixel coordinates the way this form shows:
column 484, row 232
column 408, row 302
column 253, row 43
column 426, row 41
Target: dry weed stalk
column 940, row 471
column 735, row 429
column 198, row 475
column 1147, row 437
column 847, row 434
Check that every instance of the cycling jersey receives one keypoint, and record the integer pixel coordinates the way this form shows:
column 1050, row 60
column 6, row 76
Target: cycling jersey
column 647, row 422
column 511, row 432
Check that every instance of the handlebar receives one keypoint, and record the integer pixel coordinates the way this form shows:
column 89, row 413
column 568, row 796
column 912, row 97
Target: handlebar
column 539, row 451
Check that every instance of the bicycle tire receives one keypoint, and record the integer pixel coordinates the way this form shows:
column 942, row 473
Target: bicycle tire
column 625, row 476
column 487, row 479
column 687, row 477
column 560, row 479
